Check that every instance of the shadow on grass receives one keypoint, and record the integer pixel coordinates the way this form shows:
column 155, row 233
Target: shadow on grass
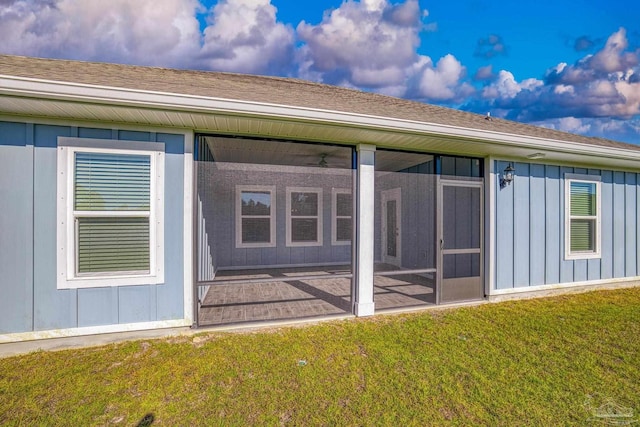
column 147, row 420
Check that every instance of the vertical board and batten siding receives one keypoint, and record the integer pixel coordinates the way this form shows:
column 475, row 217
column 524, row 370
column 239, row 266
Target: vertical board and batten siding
column 530, row 227
column 31, row 300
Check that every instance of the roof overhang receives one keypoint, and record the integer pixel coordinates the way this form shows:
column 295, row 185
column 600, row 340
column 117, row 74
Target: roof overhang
column 27, row 97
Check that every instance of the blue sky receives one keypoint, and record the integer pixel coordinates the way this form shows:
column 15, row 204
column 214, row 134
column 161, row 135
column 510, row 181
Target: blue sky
column 568, row 65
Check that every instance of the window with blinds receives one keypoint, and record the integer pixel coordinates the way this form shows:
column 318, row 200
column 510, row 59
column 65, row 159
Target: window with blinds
column 111, row 212
column 110, row 227
column 583, row 219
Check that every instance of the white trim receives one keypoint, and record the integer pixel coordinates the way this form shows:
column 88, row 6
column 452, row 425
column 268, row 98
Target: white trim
column 67, row 278
column 524, row 289
column 187, row 215
column 48, row 89
column 363, row 304
column 317, row 217
column 490, row 225
column 272, row 215
column 568, row 255
column 91, row 330
column 334, row 216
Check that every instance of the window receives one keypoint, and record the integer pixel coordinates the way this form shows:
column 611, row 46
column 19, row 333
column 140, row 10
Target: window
column 304, row 216
column 582, row 226
column 255, row 216
column 341, row 208
column 110, row 213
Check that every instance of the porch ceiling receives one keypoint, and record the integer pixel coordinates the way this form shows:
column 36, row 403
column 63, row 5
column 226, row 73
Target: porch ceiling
column 331, row 127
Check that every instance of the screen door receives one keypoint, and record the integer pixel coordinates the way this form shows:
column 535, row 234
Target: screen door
column 460, row 243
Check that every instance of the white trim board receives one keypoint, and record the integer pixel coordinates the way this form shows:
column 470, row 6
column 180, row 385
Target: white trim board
column 91, row 330
column 188, row 254
column 524, row 289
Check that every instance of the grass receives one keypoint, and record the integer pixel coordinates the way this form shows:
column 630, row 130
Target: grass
column 528, row 362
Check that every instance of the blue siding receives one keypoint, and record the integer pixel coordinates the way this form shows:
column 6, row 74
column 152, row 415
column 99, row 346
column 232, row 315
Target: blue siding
column 30, row 299
column 566, row 267
column 530, row 220
column 16, row 232
column 553, row 218
column 504, row 233
column 594, row 265
column 630, row 225
column 53, row 308
column 606, row 265
column 618, row 225
column 521, row 216
column 89, row 299
column 537, row 224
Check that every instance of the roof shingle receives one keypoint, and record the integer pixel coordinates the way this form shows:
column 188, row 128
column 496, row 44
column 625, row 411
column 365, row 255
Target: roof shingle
column 273, row 90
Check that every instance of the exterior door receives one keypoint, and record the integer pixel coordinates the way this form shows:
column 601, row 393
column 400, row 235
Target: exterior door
column 391, row 227
column 460, row 241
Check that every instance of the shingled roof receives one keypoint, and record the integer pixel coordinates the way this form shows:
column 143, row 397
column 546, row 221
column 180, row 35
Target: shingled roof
column 273, row 90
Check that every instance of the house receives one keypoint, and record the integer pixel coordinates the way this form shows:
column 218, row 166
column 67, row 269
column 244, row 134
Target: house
column 139, row 198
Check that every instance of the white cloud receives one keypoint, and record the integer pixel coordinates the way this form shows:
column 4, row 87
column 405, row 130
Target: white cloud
column 505, row 86
column 613, row 56
column 373, row 44
column 443, row 82
column 599, row 94
column 245, row 36
column 571, row 124
column 155, row 32
column 363, row 35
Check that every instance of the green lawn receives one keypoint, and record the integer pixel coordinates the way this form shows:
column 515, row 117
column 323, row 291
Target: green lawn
column 529, row 362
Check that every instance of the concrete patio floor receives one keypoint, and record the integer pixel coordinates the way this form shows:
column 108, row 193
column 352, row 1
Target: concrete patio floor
column 298, row 293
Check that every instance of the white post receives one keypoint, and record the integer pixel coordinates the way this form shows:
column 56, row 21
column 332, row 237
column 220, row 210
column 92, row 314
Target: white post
column 365, row 208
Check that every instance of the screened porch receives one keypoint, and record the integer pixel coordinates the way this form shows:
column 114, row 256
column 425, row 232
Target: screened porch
column 276, row 226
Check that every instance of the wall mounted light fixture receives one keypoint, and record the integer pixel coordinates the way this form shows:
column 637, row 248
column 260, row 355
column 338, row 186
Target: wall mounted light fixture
column 507, row 176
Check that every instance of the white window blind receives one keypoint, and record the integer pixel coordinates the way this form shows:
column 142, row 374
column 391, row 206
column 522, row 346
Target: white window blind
column 111, row 210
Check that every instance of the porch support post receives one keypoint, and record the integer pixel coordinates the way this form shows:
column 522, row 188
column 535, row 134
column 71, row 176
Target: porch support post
column 364, row 224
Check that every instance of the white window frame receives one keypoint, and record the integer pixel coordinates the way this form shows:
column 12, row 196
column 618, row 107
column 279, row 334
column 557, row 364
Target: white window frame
column 272, row 216
column 318, row 216
column 335, row 217
column 589, row 179
column 67, row 276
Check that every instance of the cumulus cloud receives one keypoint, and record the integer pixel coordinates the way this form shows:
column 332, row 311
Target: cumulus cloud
column 599, row 93
column 506, row 87
column 365, row 37
column 245, row 36
column 373, row 44
column 491, row 47
column 154, row 32
column 443, row 81
column 604, row 127
column 241, row 35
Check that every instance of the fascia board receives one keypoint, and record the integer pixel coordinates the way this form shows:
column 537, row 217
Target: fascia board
column 39, row 88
